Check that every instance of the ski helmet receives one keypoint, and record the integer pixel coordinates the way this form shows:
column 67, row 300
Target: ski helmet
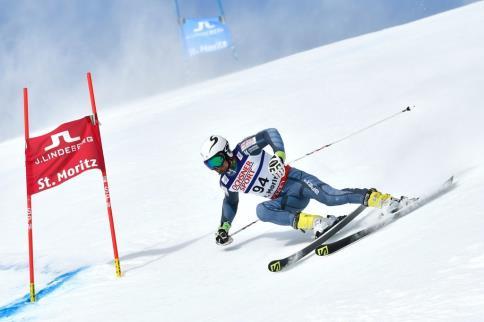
column 215, row 150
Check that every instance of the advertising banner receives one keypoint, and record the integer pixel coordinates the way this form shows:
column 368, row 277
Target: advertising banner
column 56, row 157
column 205, row 35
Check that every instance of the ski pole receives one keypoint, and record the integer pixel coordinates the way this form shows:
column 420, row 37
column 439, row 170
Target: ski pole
column 407, row 109
column 245, row 227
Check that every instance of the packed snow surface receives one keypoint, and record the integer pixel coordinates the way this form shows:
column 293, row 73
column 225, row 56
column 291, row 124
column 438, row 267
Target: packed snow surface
column 429, row 266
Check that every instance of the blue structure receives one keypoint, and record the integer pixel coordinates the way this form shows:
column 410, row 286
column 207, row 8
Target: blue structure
column 205, row 35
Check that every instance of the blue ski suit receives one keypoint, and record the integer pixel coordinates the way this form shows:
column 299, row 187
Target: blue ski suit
column 289, row 195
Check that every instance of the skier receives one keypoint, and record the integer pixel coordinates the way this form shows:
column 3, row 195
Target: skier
column 250, row 169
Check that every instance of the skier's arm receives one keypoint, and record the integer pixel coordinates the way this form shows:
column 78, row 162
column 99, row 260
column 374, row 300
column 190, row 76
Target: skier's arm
column 254, row 144
column 270, row 137
column 229, row 207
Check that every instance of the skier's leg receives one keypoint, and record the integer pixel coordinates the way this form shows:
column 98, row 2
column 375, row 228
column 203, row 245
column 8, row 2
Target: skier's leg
column 287, row 211
column 324, row 193
column 281, row 211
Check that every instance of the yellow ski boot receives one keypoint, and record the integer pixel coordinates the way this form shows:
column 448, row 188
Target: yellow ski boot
column 376, row 199
column 318, row 224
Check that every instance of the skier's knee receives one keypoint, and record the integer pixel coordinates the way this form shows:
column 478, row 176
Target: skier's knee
column 262, row 212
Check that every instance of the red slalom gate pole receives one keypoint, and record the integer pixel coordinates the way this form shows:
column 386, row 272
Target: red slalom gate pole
column 29, row 202
column 106, row 185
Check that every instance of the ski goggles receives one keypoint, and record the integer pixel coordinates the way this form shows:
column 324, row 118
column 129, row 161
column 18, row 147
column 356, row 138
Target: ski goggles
column 215, row 162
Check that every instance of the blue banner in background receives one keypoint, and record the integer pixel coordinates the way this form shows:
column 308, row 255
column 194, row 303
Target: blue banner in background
column 205, row 35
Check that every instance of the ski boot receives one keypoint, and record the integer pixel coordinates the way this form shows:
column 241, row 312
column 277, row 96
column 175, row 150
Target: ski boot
column 318, row 224
column 385, row 201
column 402, row 203
column 322, row 225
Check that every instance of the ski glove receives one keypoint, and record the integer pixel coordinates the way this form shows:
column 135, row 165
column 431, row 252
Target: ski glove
column 276, row 164
column 222, row 236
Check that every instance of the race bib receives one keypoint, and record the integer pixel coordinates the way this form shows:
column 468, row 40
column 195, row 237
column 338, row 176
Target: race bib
column 253, row 176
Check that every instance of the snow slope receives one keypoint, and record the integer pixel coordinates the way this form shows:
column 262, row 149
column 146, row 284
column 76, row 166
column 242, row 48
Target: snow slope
column 427, row 267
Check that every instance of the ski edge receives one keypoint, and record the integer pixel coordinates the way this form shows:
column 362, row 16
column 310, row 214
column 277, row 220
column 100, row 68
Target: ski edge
column 326, row 249
column 280, row 264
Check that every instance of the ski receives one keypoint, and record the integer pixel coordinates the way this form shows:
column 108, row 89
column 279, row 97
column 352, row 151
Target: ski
column 279, row 264
column 330, row 248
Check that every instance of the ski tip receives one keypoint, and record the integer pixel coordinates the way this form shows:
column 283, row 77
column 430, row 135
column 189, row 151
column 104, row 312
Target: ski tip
column 450, row 181
column 322, row 250
column 275, row 266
